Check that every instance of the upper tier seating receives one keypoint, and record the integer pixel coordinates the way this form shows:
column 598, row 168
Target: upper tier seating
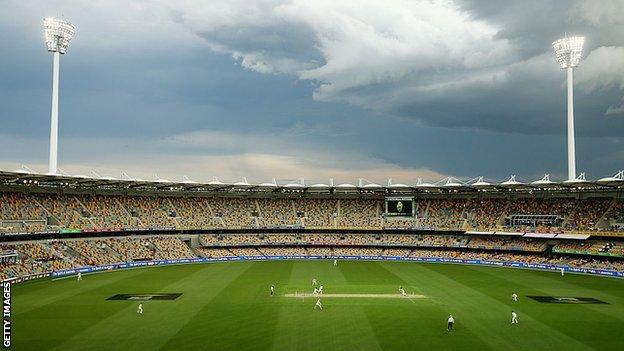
column 22, row 212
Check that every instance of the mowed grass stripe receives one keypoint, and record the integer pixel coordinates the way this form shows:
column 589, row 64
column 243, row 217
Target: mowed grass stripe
column 361, row 335
column 123, row 326
column 339, row 326
column 490, row 318
column 424, row 328
column 471, row 311
column 606, row 288
column 395, row 324
column 37, row 293
column 296, row 320
column 120, row 324
column 553, row 284
column 226, row 306
column 44, row 326
column 604, row 320
column 241, row 316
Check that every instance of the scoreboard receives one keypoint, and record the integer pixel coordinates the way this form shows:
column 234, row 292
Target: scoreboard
column 400, row 206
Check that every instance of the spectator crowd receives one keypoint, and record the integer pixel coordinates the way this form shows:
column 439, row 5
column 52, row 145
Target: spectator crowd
column 26, row 212
column 35, row 257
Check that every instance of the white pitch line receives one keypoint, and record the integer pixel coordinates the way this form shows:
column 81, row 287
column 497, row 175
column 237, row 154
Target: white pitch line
column 410, row 297
column 364, row 296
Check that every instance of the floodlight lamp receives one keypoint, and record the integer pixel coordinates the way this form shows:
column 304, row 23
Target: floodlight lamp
column 569, row 51
column 58, row 34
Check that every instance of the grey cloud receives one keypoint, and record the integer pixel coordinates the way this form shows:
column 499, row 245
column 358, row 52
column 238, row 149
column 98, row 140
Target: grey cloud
column 282, row 49
column 327, row 87
column 497, row 72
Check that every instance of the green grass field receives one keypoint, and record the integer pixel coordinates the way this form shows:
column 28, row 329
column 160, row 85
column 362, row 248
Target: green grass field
column 226, row 306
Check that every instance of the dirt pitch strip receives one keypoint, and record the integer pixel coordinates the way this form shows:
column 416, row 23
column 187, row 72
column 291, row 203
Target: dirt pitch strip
column 363, row 296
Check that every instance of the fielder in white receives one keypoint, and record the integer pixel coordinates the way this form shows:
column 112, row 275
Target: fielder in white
column 318, row 304
column 562, row 271
column 272, row 290
column 514, row 318
column 79, row 276
column 314, row 282
column 140, row 309
column 514, row 297
column 316, row 292
column 449, row 324
column 320, row 290
column 335, row 262
column 402, row 291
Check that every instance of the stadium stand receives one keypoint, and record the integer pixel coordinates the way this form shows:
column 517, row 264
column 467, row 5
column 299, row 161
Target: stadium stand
column 24, row 213
column 276, row 213
column 492, row 227
column 28, row 258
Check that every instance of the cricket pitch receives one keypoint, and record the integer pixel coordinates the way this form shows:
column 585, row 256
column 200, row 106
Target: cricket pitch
column 364, row 296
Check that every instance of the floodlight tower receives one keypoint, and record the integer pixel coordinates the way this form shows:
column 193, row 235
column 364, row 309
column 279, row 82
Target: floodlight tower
column 569, row 51
column 58, row 34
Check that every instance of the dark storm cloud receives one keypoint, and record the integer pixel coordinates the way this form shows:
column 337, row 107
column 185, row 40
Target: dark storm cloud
column 526, row 105
column 502, row 76
column 359, row 88
column 538, row 102
column 272, row 43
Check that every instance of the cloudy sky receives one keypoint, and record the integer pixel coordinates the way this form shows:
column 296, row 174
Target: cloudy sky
column 314, row 89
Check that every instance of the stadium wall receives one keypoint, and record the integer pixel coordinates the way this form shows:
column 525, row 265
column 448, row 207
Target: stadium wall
column 493, row 263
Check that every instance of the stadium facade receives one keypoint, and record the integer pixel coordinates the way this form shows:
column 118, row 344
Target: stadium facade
column 57, row 225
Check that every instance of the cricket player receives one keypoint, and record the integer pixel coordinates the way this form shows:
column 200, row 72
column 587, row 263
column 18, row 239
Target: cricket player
column 402, row 291
column 514, row 297
column 451, row 321
column 562, row 271
column 514, row 318
column 316, row 292
column 79, row 276
column 272, row 290
column 318, row 304
column 320, row 290
column 140, row 309
column 335, row 262
column 314, row 283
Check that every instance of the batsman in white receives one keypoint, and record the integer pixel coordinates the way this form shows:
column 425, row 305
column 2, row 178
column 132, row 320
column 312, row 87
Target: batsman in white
column 402, row 291
column 316, row 292
column 318, row 304
column 320, row 290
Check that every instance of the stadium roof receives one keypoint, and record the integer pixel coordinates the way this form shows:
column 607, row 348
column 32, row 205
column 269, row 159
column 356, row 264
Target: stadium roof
column 25, row 177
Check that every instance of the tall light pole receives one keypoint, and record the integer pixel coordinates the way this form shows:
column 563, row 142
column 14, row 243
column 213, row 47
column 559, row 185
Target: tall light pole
column 58, row 34
column 569, row 51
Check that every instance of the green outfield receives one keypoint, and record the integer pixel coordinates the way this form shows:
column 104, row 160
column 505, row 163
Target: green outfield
column 227, row 306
